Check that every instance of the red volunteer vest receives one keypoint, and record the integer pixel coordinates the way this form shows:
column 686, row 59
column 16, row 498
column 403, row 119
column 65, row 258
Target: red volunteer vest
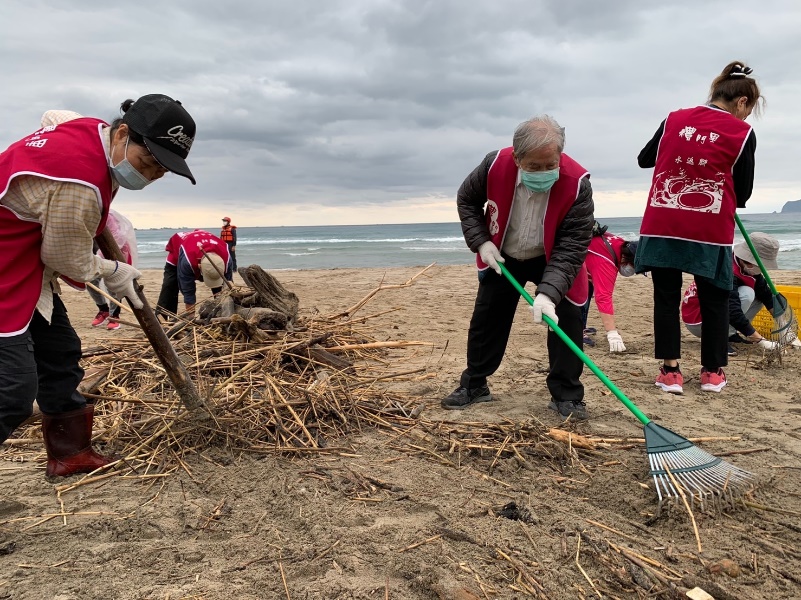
column 691, row 307
column 602, row 269
column 71, row 152
column 173, row 247
column 598, row 248
column 192, row 243
column 501, row 183
column 748, row 280
column 692, row 193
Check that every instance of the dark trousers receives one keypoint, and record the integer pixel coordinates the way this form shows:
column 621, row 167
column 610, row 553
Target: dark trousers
column 714, row 303
column 491, row 324
column 233, row 258
column 168, row 297
column 40, row 364
column 585, row 310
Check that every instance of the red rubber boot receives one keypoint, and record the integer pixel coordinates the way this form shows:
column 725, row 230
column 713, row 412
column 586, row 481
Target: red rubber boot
column 68, row 440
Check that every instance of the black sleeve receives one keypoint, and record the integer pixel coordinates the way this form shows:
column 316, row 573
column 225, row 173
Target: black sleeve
column 762, row 293
column 570, row 246
column 647, row 156
column 737, row 318
column 233, row 234
column 743, row 171
column 470, row 200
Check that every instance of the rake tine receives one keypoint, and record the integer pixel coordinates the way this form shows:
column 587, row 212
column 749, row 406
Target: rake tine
column 705, row 476
column 785, row 324
column 709, row 480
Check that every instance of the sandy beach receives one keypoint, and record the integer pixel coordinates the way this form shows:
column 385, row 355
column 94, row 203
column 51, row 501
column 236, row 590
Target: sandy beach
column 286, row 534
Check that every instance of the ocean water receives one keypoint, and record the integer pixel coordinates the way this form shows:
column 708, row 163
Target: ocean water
column 344, row 246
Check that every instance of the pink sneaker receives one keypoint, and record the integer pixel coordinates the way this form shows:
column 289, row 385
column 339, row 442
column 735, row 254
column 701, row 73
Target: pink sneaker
column 670, row 381
column 712, row 381
column 100, row 318
column 114, row 325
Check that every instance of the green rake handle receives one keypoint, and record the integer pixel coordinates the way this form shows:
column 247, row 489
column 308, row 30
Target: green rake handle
column 756, row 255
column 578, row 352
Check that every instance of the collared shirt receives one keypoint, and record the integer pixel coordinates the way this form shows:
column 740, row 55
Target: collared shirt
column 69, row 216
column 525, row 234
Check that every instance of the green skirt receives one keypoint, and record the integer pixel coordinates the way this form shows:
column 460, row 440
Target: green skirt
column 712, row 262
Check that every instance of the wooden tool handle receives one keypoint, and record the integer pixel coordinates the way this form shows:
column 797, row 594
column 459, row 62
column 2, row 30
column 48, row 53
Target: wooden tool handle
column 216, row 268
column 158, row 339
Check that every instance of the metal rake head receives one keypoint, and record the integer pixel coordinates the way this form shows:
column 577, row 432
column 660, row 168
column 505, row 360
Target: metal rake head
column 677, row 466
column 785, row 324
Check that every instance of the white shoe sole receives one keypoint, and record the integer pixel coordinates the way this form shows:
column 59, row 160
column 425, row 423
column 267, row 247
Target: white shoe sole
column 708, row 387
column 671, row 389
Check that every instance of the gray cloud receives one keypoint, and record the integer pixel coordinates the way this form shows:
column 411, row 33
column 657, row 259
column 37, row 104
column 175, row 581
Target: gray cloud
column 359, row 102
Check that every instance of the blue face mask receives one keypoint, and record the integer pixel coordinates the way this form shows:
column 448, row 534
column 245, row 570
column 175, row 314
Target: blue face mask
column 539, row 181
column 126, row 175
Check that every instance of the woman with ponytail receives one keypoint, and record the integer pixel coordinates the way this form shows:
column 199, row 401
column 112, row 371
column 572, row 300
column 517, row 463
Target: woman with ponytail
column 703, row 161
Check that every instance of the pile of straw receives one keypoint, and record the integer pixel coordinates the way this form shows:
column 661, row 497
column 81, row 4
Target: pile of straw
column 293, row 392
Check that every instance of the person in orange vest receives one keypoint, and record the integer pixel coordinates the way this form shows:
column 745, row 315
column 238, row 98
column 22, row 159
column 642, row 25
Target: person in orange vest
column 56, row 187
column 228, row 235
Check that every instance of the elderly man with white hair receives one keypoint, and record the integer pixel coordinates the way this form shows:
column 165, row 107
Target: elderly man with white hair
column 530, row 207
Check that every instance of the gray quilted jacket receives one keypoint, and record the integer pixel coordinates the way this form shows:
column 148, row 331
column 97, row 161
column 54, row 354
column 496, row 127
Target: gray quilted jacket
column 572, row 238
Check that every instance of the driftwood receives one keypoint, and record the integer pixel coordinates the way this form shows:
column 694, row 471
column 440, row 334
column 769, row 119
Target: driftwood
column 266, row 307
column 268, row 292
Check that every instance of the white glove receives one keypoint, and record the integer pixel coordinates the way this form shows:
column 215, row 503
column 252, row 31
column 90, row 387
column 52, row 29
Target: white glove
column 491, row 256
column 615, row 341
column 543, row 305
column 119, row 278
column 767, row 344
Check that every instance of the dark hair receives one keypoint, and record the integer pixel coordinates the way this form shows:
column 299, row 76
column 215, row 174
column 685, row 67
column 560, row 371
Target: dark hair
column 132, row 135
column 598, row 229
column 629, row 250
column 733, row 83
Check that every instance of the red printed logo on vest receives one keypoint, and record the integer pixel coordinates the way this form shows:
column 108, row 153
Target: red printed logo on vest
column 36, row 140
column 691, row 184
column 492, row 213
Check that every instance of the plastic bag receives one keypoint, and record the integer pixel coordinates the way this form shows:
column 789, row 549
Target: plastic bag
column 122, row 230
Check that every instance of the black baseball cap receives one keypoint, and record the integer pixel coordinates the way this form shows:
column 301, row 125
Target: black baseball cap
column 167, row 129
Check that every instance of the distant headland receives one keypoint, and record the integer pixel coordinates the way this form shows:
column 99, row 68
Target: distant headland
column 793, row 206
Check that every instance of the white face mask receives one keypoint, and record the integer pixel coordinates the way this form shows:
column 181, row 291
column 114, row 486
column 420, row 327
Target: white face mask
column 752, row 270
column 125, row 174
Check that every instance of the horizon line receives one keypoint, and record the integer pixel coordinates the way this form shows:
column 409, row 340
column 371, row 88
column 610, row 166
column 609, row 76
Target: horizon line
column 745, row 215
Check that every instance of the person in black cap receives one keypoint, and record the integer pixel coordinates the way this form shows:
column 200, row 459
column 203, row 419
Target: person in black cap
column 47, row 225
column 160, row 126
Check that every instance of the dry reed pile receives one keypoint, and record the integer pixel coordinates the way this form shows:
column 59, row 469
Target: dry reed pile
column 294, row 391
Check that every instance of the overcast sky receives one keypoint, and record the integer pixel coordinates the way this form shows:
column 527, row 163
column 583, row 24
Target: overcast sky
column 374, row 111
